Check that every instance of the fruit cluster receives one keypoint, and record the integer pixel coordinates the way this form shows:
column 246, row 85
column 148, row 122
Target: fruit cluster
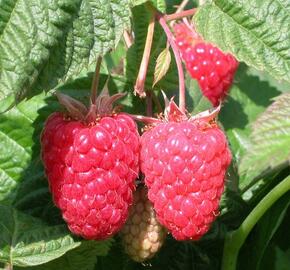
column 93, row 156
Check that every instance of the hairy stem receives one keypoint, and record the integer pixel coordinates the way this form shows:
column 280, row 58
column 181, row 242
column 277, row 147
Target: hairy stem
column 8, row 266
column 128, row 39
column 182, row 6
column 140, row 82
column 175, row 50
column 179, row 15
column 235, row 239
column 94, row 89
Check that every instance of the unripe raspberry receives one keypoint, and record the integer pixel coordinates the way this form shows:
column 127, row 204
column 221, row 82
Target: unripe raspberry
column 142, row 235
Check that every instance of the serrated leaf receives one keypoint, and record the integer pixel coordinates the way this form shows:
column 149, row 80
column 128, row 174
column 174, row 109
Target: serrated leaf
column 256, row 32
column 46, row 43
column 83, row 257
column 248, row 98
column 162, row 65
column 26, row 241
column 159, row 4
column 270, row 142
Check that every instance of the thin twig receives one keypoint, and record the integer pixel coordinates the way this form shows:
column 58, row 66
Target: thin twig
column 179, row 15
column 140, row 82
column 95, row 84
column 128, row 39
column 182, row 6
column 170, row 38
column 8, row 266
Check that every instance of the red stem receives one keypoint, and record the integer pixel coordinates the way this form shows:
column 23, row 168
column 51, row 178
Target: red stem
column 140, row 82
column 95, row 84
column 128, row 39
column 170, row 38
column 179, row 15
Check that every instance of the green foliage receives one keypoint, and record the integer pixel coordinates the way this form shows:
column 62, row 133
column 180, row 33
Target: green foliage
column 48, row 45
column 270, row 140
column 256, row 32
column 84, row 257
column 27, row 241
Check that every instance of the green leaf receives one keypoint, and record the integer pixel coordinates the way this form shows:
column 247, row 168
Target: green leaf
column 196, row 102
column 26, row 241
column 256, row 32
column 46, row 43
column 83, row 257
column 282, row 261
column 159, row 4
column 262, row 234
column 162, row 65
column 16, row 140
column 270, row 142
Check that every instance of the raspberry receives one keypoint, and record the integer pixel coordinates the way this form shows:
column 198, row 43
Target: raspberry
column 184, row 162
column 142, row 234
column 213, row 69
column 91, row 168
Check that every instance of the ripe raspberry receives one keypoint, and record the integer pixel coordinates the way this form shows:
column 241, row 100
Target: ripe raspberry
column 184, row 162
column 142, row 234
column 91, row 168
column 213, row 69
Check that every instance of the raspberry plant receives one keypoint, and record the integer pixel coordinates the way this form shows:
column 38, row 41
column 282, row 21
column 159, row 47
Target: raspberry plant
column 237, row 219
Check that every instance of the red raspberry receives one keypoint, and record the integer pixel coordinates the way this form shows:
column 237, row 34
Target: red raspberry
column 213, row 69
column 184, row 163
column 142, row 234
column 91, row 170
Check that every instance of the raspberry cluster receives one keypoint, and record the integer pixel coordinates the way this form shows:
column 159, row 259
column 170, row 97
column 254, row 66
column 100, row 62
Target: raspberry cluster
column 142, row 234
column 213, row 69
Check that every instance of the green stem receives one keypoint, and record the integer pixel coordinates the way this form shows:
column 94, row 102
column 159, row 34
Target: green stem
column 235, row 239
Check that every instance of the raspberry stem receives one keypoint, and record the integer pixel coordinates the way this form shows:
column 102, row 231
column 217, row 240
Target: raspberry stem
column 140, row 82
column 180, row 15
column 170, row 38
column 96, row 79
column 235, row 239
column 128, row 39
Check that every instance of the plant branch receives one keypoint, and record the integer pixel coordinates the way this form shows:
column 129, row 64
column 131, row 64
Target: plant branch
column 235, row 239
column 128, row 39
column 170, row 38
column 180, row 15
column 182, row 6
column 95, row 84
column 8, row 266
column 140, row 82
